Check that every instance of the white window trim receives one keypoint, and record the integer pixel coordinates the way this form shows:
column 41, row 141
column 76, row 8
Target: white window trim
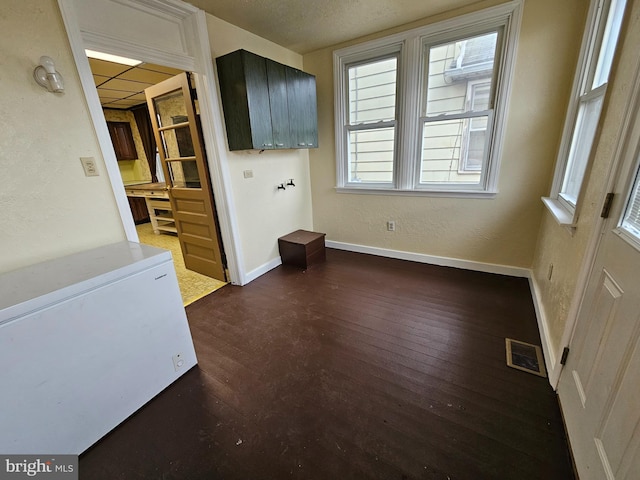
column 410, row 43
column 563, row 212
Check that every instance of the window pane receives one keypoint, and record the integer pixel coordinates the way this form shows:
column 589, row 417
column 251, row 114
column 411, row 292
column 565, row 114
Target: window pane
column 609, row 40
column 371, row 155
column 452, row 66
column 631, row 222
column 584, row 131
column 372, row 91
column 443, row 156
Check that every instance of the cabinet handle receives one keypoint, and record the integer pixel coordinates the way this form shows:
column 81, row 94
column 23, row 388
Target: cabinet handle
column 302, row 144
column 310, row 144
column 267, row 144
column 279, row 144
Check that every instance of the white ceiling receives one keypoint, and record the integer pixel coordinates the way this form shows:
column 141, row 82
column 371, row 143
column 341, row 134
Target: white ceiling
column 307, row 25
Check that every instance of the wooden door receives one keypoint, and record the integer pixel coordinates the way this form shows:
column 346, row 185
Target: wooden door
column 599, row 387
column 175, row 126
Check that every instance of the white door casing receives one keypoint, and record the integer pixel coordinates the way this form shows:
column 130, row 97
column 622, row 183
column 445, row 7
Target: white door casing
column 165, row 32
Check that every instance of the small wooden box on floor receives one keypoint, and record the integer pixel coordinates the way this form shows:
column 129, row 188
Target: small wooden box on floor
column 302, row 248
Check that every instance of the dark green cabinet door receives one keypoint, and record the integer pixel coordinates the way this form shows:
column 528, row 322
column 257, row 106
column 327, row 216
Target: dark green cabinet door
column 303, row 115
column 277, row 80
column 256, row 77
column 245, row 100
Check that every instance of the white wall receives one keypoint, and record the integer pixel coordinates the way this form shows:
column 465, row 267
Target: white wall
column 48, row 208
column 263, row 212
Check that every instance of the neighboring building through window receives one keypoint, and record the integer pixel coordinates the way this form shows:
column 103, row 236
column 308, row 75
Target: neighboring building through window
column 372, row 119
column 590, row 85
column 422, row 111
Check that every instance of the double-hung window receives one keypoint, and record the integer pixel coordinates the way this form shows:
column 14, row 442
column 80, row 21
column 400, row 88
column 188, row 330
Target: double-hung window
column 590, row 85
column 457, row 113
column 372, row 121
column 422, row 112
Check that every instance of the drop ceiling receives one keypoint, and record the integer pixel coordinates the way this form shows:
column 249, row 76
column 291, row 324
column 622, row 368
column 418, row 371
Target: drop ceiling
column 121, row 86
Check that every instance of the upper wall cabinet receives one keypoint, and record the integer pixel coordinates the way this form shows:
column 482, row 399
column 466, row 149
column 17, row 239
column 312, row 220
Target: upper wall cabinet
column 266, row 105
column 122, row 140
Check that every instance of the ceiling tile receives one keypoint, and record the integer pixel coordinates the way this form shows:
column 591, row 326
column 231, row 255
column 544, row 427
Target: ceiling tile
column 125, row 85
column 159, row 68
column 99, row 79
column 146, row 76
column 107, row 69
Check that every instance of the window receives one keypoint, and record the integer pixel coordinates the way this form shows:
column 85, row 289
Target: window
column 631, row 218
column 457, row 111
column 590, row 86
column 372, row 120
column 421, row 112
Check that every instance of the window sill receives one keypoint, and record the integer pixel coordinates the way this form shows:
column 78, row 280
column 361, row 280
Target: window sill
column 561, row 215
column 417, row 193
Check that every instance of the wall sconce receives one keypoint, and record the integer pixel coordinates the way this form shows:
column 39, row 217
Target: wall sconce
column 46, row 76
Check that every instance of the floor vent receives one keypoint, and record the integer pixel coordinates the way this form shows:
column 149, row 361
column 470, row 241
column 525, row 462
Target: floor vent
column 525, row 357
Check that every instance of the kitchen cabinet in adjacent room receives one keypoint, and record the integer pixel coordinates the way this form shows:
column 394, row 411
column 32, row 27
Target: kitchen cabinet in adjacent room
column 122, row 140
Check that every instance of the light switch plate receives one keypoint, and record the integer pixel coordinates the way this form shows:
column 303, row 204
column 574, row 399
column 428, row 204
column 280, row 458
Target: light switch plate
column 89, row 166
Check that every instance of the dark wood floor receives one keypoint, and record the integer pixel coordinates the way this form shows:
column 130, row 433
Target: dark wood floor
column 359, row 368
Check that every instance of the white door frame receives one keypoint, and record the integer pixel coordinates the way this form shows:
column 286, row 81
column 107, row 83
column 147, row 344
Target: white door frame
column 632, row 107
column 195, row 58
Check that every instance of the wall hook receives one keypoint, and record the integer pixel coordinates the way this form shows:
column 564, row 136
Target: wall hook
column 281, row 187
column 290, row 182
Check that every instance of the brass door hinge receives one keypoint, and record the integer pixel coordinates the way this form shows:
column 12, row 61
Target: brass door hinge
column 565, row 354
column 606, row 207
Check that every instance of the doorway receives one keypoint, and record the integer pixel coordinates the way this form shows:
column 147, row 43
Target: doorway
column 170, row 33
column 120, row 86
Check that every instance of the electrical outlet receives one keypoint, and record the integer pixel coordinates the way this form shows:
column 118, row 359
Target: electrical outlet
column 178, row 362
column 89, row 166
column 247, row 173
column 550, row 272
column 391, row 226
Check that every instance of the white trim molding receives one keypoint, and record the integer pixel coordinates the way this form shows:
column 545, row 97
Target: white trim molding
column 550, row 356
column 262, row 269
column 432, row 259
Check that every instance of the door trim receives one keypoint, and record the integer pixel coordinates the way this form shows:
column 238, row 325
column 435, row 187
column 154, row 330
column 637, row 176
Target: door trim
column 192, row 21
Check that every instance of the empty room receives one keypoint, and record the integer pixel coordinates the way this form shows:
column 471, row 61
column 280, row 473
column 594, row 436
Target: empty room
column 417, row 210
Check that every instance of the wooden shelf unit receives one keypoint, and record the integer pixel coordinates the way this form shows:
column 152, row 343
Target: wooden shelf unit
column 156, row 197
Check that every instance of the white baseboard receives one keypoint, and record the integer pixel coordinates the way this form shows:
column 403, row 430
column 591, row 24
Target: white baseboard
column 261, row 270
column 553, row 368
column 432, row 259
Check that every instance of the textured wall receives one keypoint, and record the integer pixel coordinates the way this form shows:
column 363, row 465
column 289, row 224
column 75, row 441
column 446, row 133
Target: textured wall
column 557, row 245
column 48, row 208
column 503, row 230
